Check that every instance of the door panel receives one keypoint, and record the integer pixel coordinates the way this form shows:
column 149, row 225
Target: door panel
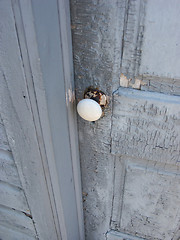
column 160, row 46
column 145, row 136
column 130, row 157
column 150, row 47
column 146, row 125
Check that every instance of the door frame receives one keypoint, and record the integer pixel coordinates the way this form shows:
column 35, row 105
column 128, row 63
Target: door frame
column 39, row 102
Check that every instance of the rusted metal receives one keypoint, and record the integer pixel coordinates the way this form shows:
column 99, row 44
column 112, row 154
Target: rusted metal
column 96, row 95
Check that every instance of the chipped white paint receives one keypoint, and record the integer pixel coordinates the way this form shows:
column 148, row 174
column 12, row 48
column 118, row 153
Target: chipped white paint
column 125, row 82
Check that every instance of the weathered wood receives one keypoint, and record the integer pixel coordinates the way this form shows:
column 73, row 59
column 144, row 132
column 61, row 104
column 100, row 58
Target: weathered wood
column 97, row 30
column 160, row 84
column 19, row 123
column 26, row 115
column 132, row 37
column 3, row 139
column 99, row 59
column 7, row 234
column 120, row 180
column 151, row 46
column 114, row 235
column 66, row 43
column 146, row 125
column 97, row 173
column 16, row 220
column 13, row 197
column 60, row 100
column 160, row 48
column 38, row 102
column 150, row 200
column 8, row 170
column 118, row 185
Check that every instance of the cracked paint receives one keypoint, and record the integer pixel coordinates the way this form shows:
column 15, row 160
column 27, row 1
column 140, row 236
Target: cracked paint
column 125, row 82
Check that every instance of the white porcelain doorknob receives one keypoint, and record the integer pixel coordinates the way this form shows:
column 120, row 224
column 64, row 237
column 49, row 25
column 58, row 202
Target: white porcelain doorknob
column 89, row 110
column 92, row 106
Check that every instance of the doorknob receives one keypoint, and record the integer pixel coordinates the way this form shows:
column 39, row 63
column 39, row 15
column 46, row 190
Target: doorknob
column 91, row 107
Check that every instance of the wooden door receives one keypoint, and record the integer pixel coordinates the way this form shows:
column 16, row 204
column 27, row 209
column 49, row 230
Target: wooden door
column 130, row 157
column 40, row 189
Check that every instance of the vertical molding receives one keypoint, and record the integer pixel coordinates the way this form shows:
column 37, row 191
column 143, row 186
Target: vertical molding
column 65, row 32
column 132, row 39
column 29, row 52
column 119, row 181
column 19, row 121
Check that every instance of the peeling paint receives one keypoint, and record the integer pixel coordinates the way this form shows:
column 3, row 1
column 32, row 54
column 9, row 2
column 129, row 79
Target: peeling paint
column 125, row 82
column 97, row 95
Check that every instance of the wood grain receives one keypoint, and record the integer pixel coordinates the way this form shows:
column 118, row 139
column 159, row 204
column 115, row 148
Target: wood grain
column 110, row 39
column 115, row 235
column 6, row 234
column 145, row 125
column 16, row 220
column 19, row 123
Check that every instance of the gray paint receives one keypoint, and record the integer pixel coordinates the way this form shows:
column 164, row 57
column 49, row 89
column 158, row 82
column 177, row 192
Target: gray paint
column 8, row 170
column 57, row 74
column 132, row 37
column 14, row 210
column 51, row 62
column 27, row 39
column 150, row 46
column 66, row 40
column 144, row 201
column 170, row 86
column 160, row 48
column 146, row 125
column 16, row 220
column 150, row 202
column 114, row 235
column 18, row 121
column 96, row 44
column 4, row 145
column 7, row 233
column 35, row 192
column 15, row 214
column 125, row 168
column 13, row 197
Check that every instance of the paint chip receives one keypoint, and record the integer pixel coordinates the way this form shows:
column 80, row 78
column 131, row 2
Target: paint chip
column 124, row 82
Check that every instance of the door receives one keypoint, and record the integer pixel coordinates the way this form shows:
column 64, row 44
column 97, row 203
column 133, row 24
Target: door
column 130, row 157
column 40, row 189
